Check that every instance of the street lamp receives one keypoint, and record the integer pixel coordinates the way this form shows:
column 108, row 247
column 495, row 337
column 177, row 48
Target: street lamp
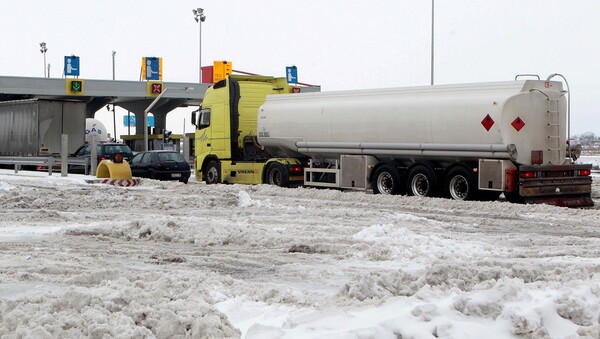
column 199, row 17
column 147, row 110
column 43, row 50
column 113, row 60
column 113, row 110
column 432, row 17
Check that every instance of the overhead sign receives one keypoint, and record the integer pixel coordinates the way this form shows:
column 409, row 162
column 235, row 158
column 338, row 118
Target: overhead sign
column 291, row 73
column 154, row 88
column 74, row 86
column 152, row 68
column 72, row 65
column 132, row 120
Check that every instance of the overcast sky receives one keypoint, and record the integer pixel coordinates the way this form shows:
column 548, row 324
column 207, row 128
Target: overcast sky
column 338, row 44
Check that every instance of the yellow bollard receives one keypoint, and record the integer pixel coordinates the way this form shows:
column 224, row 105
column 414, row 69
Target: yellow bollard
column 113, row 170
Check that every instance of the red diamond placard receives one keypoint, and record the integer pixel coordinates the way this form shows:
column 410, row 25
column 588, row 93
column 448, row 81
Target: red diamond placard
column 518, row 124
column 487, row 122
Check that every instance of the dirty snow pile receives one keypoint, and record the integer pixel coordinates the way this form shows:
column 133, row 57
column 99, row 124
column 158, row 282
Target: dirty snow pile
column 170, row 260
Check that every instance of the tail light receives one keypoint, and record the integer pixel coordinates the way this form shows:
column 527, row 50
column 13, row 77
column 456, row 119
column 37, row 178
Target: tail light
column 296, row 169
column 585, row 172
column 160, row 165
column 528, row 174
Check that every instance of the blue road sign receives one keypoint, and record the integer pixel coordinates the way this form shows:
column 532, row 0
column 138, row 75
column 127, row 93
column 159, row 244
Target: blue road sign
column 132, row 120
column 291, row 74
column 72, row 65
column 152, row 68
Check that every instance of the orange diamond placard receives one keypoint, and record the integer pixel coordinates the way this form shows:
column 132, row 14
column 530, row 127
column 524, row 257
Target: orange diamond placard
column 518, row 124
column 487, row 122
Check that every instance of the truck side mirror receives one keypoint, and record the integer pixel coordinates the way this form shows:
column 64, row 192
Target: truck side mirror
column 194, row 117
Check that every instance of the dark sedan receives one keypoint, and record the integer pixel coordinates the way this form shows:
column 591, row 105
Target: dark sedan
column 105, row 151
column 161, row 165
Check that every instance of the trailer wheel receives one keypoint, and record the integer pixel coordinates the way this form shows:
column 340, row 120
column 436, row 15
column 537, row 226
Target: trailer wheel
column 421, row 182
column 488, row 195
column 387, row 180
column 513, row 197
column 212, row 173
column 460, row 184
column 277, row 175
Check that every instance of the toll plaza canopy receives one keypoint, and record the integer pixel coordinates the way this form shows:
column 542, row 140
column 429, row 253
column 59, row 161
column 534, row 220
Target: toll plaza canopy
column 134, row 96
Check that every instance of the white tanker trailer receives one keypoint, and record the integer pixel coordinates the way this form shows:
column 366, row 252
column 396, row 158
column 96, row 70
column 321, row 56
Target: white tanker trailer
column 467, row 142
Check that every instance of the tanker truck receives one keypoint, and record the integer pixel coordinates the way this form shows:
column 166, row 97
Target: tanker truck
column 465, row 142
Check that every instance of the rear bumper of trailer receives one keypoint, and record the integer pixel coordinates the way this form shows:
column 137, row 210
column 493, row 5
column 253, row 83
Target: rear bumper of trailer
column 563, row 185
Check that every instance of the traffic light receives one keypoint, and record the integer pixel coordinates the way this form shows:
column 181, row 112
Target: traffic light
column 166, row 136
column 74, row 86
column 154, row 88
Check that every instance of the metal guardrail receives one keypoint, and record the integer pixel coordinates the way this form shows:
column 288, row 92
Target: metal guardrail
column 49, row 162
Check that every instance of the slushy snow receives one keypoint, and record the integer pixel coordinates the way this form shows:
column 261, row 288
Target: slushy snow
column 169, row 260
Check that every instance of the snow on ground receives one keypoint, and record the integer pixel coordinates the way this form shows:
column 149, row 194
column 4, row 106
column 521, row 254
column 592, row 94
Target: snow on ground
column 169, row 260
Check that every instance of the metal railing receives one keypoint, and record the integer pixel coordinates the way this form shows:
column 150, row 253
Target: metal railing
column 46, row 162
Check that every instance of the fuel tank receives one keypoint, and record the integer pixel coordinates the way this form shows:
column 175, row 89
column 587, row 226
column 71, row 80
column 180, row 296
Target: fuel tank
column 503, row 120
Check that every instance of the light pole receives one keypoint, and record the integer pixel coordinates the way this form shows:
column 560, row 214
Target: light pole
column 113, row 110
column 43, row 50
column 432, row 17
column 113, row 60
column 199, row 17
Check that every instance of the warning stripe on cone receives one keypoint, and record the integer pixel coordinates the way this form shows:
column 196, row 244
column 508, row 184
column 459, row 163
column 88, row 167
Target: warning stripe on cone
column 116, row 182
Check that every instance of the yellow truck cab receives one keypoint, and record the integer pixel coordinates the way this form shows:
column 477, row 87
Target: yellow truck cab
column 227, row 150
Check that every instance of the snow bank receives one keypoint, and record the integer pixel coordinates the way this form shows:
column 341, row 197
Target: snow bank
column 107, row 304
column 169, row 260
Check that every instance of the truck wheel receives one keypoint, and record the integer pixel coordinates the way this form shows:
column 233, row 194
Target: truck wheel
column 213, row 173
column 277, row 175
column 488, row 195
column 386, row 180
column 513, row 197
column 460, row 184
column 421, row 182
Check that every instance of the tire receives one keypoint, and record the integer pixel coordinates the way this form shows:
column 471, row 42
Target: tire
column 277, row 175
column 421, row 182
column 513, row 197
column 460, row 184
column 212, row 173
column 185, row 181
column 386, row 180
column 488, row 195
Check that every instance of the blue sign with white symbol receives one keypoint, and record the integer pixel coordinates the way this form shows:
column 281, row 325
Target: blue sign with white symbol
column 152, row 68
column 291, row 74
column 72, row 65
column 132, row 121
